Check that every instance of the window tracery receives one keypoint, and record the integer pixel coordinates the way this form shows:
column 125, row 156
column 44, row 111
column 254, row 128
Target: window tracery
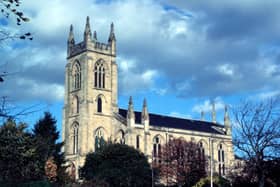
column 99, row 139
column 157, row 149
column 75, row 130
column 99, row 74
column 76, row 76
column 221, row 160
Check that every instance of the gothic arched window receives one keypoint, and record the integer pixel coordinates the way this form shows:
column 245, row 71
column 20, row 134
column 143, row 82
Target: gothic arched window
column 76, row 76
column 99, row 74
column 75, row 130
column 201, row 151
column 75, row 105
column 121, row 137
column 221, row 160
column 99, row 104
column 99, row 139
column 157, row 149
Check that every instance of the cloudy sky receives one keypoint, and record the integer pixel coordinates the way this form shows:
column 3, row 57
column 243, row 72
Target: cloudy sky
column 180, row 55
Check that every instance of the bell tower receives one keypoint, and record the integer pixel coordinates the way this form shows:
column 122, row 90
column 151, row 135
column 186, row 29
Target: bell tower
column 91, row 85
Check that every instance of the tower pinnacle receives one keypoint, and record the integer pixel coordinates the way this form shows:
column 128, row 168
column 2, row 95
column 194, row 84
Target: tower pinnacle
column 95, row 35
column 202, row 115
column 213, row 113
column 227, row 121
column 71, row 40
column 87, row 33
column 145, row 114
column 71, row 35
column 130, row 111
column 112, row 36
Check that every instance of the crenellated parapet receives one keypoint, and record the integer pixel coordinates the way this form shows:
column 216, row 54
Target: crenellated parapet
column 90, row 43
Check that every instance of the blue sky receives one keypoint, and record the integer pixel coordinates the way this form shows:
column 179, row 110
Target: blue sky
column 180, row 55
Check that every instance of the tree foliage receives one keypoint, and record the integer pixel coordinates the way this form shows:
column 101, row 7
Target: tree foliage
column 26, row 156
column 182, row 163
column 9, row 8
column 247, row 176
column 17, row 153
column 46, row 136
column 118, row 165
column 257, row 135
column 217, row 182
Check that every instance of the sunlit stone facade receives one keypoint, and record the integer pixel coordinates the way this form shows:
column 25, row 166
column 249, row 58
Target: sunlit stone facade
column 91, row 114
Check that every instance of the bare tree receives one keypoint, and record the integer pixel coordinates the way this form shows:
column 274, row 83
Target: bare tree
column 8, row 110
column 257, row 134
column 182, row 163
column 9, row 10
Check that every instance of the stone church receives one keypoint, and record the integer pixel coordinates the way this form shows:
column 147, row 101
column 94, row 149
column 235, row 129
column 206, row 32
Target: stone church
column 91, row 114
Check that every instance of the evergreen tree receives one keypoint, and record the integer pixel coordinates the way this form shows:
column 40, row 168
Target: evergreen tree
column 46, row 136
column 117, row 165
column 17, row 153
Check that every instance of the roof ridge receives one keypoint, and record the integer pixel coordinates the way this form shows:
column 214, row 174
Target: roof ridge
column 180, row 118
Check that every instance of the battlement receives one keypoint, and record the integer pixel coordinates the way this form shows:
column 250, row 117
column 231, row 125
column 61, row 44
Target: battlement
column 92, row 46
column 91, row 43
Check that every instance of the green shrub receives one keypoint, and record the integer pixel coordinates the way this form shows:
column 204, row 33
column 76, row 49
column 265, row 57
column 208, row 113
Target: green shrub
column 217, row 182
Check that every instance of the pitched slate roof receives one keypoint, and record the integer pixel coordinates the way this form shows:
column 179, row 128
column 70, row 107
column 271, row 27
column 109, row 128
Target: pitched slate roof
column 176, row 123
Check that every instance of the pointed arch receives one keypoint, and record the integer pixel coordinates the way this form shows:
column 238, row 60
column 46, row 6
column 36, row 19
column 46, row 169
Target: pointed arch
column 203, row 145
column 100, row 100
column 99, row 105
column 100, row 72
column 75, row 137
column 76, row 75
column 75, row 104
column 221, row 158
column 120, row 137
column 99, row 138
column 157, row 146
column 201, row 149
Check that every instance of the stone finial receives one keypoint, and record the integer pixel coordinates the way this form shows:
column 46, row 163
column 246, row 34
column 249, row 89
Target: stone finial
column 130, row 111
column 145, row 114
column 226, row 113
column 94, row 35
column 71, row 40
column 87, row 33
column 71, row 35
column 227, row 121
column 112, row 34
column 202, row 116
column 213, row 113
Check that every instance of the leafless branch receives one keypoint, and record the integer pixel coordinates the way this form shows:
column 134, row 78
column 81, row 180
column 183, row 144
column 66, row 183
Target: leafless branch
column 258, row 132
column 7, row 110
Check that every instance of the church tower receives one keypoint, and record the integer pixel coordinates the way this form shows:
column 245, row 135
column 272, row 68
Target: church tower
column 90, row 99
column 91, row 115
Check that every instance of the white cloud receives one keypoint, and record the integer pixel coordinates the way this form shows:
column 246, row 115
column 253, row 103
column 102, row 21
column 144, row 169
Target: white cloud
column 226, row 69
column 266, row 95
column 160, row 91
column 189, row 50
column 180, row 115
column 206, row 106
column 132, row 80
column 42, row 91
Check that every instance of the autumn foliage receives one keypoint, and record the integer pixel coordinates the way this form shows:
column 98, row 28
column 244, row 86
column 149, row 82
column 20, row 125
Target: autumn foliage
column 181, row 163
column 51, row 169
